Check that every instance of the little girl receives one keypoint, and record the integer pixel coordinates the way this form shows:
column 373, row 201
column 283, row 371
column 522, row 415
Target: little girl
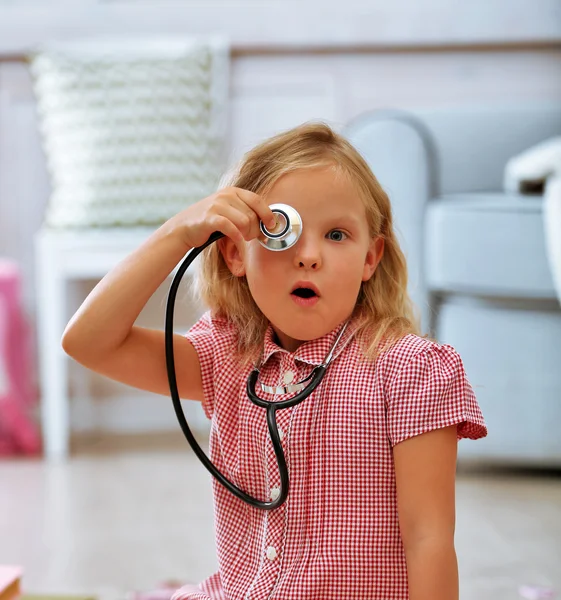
column 371, row 453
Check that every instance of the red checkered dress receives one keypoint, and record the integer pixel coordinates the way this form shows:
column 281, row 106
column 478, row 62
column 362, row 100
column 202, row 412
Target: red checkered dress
column 337, row 535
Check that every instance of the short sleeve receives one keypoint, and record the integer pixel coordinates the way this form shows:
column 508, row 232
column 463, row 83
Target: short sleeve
column 212, row 339
column 429, row 392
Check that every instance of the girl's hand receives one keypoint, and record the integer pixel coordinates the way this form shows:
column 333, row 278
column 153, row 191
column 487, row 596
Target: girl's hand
column 233, row 211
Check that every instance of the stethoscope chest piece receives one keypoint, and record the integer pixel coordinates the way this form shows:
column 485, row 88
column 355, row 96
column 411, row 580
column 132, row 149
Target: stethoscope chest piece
column 287, row 231
column 284, row 235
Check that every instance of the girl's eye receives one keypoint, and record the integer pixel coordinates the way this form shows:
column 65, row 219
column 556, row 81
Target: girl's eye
column 337, row 235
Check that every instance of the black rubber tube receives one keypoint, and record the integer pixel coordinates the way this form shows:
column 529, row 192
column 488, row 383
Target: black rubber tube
column 271, row 407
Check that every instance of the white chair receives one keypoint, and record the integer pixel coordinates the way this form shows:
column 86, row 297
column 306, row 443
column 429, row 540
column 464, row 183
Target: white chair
column 62, row 257
column 134, row 131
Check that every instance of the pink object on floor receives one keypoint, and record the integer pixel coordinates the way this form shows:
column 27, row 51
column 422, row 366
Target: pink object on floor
column 164, row 591
column 18, row 433
column 9, row 574
column 535, row 592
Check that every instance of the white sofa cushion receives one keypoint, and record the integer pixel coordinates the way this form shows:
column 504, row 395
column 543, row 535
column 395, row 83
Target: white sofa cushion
column 133, row 129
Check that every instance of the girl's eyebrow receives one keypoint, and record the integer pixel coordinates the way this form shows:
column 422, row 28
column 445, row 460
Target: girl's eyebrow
column 344, row 218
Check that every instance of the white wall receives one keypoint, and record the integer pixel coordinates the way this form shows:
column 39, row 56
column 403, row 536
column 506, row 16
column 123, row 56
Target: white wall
column 292, row 61
column 253, row 24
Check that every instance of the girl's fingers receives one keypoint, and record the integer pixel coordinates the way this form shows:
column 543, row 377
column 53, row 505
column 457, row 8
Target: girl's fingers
column 243, row 219
column 258, row 204
column 225, row 225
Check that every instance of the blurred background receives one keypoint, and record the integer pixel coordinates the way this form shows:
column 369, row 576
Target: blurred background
column 116, row 114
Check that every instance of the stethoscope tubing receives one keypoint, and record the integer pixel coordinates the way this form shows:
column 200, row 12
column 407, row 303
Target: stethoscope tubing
column 271, row 407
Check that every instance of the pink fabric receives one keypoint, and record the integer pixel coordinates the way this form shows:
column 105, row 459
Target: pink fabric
column 164, row 591
column 337, row 535
column 210, row 589
column 18, row 433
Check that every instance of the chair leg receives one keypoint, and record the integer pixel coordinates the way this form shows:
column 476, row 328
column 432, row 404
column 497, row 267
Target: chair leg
column 53, row 367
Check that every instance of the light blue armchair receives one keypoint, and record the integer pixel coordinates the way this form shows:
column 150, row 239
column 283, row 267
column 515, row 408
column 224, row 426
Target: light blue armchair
column 477, row 258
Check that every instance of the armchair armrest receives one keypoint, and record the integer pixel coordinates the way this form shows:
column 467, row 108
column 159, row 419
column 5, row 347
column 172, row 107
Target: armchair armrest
column 398, row 149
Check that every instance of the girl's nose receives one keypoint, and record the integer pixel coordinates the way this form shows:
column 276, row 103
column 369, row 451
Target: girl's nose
column 307, row 253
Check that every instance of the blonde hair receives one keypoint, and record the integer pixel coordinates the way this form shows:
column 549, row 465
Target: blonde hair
column 383, row 309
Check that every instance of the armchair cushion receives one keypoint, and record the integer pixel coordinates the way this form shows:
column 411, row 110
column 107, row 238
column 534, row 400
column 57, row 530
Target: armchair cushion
column 487, row 244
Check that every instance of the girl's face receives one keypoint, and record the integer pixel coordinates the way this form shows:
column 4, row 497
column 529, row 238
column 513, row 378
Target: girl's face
column 334, row 254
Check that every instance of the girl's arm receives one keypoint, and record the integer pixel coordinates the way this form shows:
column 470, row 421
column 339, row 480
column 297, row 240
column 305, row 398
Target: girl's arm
column 102, row 336
column 425, row 468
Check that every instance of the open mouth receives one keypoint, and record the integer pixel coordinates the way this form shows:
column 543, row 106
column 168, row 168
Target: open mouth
column 304, row 293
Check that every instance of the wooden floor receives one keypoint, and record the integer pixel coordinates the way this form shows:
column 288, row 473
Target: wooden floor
column 124, row 514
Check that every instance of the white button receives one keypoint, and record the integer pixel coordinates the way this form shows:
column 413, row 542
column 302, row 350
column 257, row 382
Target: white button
column 275, row 493
column 281, row 434
column 288, row 377
column 271, row 553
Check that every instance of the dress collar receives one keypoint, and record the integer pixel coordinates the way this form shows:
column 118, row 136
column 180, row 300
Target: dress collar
column 312, row 352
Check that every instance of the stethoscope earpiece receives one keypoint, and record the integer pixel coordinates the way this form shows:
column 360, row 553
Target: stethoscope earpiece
column 286, row 232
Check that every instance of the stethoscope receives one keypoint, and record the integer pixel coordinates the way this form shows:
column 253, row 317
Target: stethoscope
column 284, row 235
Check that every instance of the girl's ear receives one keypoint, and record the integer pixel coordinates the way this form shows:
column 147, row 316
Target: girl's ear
column 233, row 256
column 373, row 257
